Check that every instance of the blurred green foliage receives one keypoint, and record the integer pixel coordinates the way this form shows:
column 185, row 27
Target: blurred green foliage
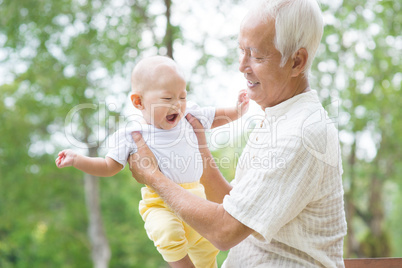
column 358, row 72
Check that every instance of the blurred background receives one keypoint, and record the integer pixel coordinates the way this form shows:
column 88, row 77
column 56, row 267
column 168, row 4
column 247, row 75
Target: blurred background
column 64, row 83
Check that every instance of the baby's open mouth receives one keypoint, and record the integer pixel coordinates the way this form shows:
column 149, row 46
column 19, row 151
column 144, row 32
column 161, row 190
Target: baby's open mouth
column 171, row 117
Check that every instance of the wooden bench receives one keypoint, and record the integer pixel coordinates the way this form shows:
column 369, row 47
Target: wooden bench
column 374, row 263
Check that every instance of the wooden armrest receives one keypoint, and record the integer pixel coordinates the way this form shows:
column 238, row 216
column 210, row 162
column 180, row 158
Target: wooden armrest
column 374, row 263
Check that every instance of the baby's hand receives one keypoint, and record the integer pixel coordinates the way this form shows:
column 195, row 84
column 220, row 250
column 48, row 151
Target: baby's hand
column 66, row 158
column 243, row 102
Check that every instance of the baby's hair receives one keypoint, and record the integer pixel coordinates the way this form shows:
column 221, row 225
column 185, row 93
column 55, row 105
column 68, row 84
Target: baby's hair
column 147, row 71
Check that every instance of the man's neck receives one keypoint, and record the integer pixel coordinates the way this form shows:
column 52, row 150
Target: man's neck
column 300, row 85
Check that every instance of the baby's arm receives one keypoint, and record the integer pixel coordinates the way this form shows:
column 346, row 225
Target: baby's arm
column 227, row 115
column 97, row 166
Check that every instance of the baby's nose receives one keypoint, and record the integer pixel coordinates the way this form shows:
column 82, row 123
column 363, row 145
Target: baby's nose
column 177, row 104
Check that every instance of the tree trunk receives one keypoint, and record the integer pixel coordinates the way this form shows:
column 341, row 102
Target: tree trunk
column 100, row 250
column 352, row 245
column 376, row 206
column 168, row 40
column 377, row 242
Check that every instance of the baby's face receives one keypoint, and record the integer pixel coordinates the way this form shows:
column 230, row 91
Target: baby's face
column 165, row 102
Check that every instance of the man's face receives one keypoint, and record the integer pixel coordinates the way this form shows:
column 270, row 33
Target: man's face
column 267, row 82
column 165, row 103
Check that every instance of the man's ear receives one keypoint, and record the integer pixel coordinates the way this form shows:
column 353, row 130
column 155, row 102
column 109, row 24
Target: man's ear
column 299, row 61
column 137, row 101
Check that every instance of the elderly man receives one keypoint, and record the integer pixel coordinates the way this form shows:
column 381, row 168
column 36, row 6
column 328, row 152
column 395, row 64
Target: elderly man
column 285, row 206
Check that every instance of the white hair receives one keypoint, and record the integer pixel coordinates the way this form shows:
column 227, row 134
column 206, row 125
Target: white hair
column 298, row 24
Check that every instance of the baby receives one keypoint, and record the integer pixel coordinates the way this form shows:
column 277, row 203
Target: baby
column 159, row 92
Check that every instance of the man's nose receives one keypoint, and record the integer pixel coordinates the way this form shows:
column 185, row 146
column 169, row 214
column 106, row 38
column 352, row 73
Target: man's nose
column 244, row 65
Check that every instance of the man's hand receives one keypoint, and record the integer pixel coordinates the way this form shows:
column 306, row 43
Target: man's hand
column 66, row 158
column 143, row 164
column 198, row 130
column 202, row 140
column 216, row 187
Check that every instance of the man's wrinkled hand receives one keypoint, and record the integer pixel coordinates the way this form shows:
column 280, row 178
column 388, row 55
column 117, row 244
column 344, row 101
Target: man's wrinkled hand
column 143, row 164
column 198, row 130
column 202, row 140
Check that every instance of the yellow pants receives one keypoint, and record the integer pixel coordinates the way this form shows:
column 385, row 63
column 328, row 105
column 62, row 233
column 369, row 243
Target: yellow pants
column 173, row 238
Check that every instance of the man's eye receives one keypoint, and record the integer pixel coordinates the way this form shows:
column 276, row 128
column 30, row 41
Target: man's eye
column 255, row 56
column 259, row 58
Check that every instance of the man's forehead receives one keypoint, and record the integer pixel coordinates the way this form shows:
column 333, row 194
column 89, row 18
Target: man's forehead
column 256, row 40
column 257, row 47
column 254, row 49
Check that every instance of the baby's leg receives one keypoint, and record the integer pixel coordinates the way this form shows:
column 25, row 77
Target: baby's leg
column 183, row 263
column 201, row 251
column 166, row 230
column 203, row 254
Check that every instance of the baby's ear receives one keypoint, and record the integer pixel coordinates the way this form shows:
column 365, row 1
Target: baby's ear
column 137, row 101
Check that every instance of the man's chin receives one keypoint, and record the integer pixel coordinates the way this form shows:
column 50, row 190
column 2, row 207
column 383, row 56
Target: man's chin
column 251, row 93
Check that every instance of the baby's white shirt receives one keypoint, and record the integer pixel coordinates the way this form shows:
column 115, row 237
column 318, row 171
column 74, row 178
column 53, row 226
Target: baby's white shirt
column 176, row 149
